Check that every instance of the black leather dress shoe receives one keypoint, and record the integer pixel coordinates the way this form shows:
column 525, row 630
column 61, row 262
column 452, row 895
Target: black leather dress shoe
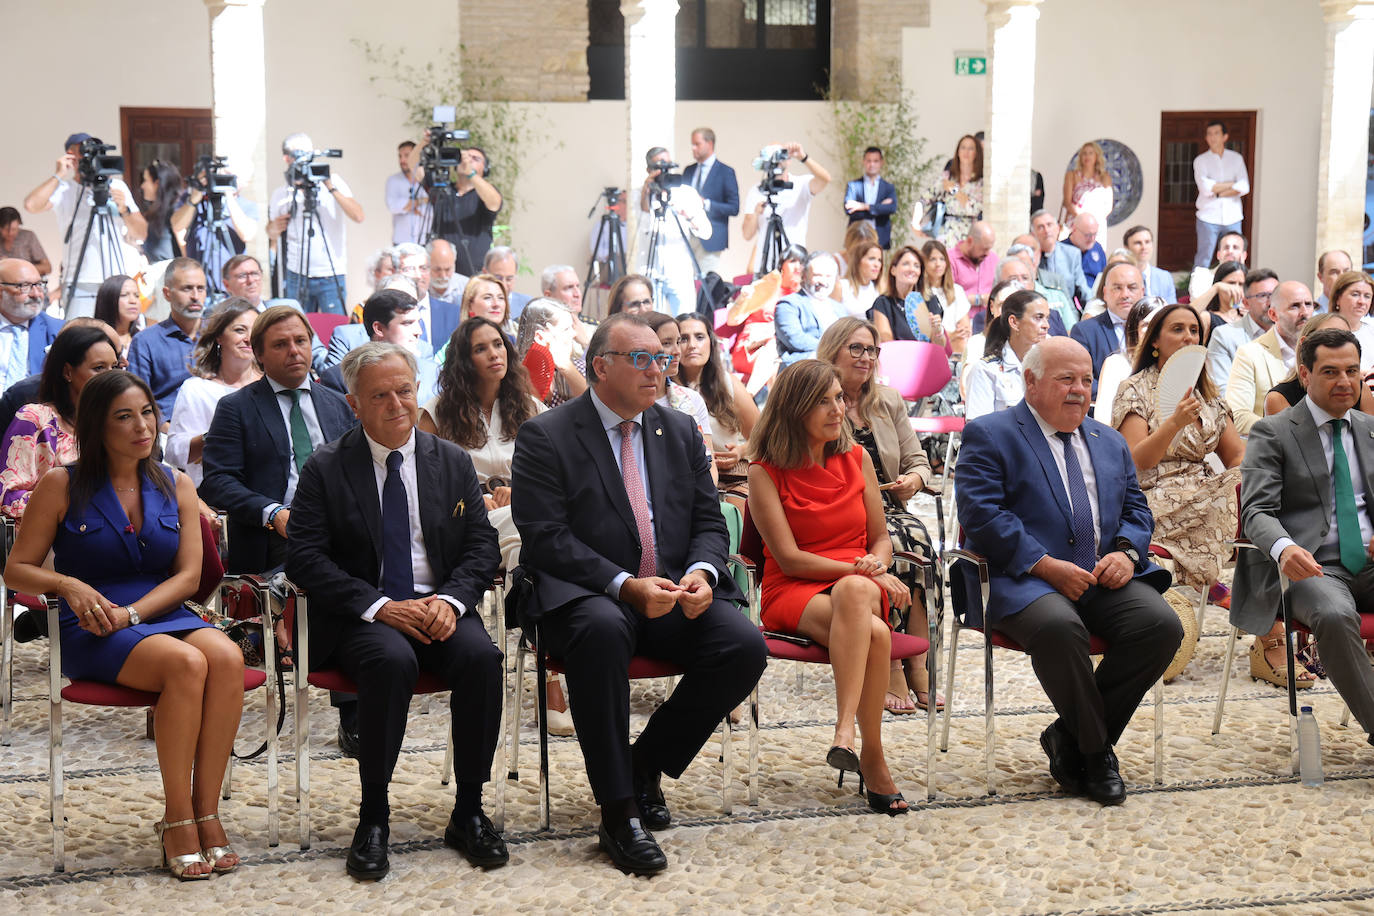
column 476, row 838
column 653, row 807
column 367, row 860
column 1066, row 760
column 349, row 745
column 1102, row 778
column 632, row 848
column 30, row 625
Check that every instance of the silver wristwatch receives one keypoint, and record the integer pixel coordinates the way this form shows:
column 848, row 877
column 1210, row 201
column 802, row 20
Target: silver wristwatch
column 134, row 619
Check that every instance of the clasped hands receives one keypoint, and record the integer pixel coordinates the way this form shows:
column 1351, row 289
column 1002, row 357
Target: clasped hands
column 95, row 613
column 1071, row 580
column 873, row 567
column 654, row 596
column 428, row 619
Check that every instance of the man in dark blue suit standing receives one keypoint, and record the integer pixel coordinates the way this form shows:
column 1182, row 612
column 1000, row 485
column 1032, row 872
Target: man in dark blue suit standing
column 1105, row 334
column 1050, row 497
column 872, row 198
column 26, row 329
column 719, row 190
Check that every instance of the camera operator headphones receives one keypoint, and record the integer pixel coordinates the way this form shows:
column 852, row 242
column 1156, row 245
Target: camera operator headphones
column 486, row 160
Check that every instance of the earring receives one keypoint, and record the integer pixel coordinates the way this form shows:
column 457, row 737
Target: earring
column 1155, row 352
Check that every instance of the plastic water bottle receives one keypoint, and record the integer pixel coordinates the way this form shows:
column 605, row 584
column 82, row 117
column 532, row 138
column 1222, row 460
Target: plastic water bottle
column 1309, row 748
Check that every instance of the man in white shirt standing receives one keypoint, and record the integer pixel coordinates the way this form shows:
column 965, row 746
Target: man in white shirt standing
column 406, row 199
column 1221, row 182
column 794, row 203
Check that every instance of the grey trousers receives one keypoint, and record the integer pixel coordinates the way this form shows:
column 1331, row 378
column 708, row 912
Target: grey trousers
column 1142, row 634
column 1330, row 606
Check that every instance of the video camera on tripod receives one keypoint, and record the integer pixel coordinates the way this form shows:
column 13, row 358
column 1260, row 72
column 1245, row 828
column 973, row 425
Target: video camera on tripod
column 304, row 172
column 210, row 177
column 97, row 166
column 771, row 161
column 438, row 158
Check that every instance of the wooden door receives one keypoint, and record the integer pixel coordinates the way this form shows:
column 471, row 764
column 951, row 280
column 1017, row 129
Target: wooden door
column 1180, row 141
column 176, row 135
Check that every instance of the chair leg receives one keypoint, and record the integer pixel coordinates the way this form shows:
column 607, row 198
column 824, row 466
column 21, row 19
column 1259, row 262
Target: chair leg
column 1159, row 731
column 949, row 683
column 519, row 690
column 1231, row 641
column 6, row 664
column 754, row 746
column 55, row 776
column 1202, row 609
column 725, row 740
column 303, row 755
column 542, row 701
column 496, row 602
column 272, row 700
column 989, row 723
column 932, row 668
column 226, row 786
column 801, row 669
column 1345, row 716
column 446, row 777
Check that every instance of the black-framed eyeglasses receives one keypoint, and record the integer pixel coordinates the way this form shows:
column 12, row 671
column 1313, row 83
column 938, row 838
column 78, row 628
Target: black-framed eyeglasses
column 1260, row 295
column 641, row 359
column 23, row 288
column 859, row 350
column 639, row 304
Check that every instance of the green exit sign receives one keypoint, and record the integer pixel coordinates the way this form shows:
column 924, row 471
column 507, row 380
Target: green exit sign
column 970, row 65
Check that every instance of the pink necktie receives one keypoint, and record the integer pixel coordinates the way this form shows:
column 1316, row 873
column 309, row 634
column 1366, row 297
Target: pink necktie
column 634, row 488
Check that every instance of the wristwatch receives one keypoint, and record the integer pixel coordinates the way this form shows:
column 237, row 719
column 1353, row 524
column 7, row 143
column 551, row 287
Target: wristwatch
column 1125, row 547
column 134, row 619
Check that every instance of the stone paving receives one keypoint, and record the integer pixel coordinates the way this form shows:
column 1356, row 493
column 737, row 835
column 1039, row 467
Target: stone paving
column 1229, row 828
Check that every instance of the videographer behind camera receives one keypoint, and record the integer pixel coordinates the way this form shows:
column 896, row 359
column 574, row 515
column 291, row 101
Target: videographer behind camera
column 214, row 191
column 467, row 219
column 326, row 257
column 793, row 196
column 72, row 200
column 666, row 193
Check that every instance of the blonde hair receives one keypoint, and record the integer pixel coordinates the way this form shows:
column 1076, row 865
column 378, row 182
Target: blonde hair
column 1100, row 173
column 828, row 351
column 470, row 293
column 779, row 438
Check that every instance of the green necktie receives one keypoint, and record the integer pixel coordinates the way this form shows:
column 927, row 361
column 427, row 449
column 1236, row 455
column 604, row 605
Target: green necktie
column 300, row 434
column 1353, row 556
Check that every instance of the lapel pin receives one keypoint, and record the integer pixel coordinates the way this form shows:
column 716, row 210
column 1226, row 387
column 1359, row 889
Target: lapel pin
column 1093, row 434
column 460, row 508
column 659, row 432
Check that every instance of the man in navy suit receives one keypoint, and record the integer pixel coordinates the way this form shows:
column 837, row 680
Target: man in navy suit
column 872, row 198
column 1050, row 497
column 1105, row 334
column 715, row 182
column 622, row 531
column 23, row 323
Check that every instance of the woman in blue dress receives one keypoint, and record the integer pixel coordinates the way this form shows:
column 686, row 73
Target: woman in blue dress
column 125, row 536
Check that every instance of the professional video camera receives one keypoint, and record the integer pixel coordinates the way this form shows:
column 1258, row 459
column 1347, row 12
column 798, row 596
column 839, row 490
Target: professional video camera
column 97, row 166
column 770, row 161
column 437, row 158
column 668, row 176
column 304, row 172
column 209, row 176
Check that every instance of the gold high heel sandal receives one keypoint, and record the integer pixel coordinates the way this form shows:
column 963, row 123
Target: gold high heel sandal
column 1261, row 670
column 177, row 865
column 213, row 854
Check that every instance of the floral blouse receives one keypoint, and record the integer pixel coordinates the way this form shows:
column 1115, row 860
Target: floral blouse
column 34, row 444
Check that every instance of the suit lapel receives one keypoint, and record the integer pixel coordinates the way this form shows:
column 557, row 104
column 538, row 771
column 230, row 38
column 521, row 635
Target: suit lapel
column 593, row 438
column 429, row 482
column 107, row 503
column 1098, row 454
column 269, row 414
column 357, row 462
column 1362, row 429
column 1035, row 438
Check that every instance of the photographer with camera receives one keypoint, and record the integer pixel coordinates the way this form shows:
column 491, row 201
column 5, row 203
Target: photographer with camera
column 677, row 217
column 462, row 203
column 309, row 209
column 85, row 182
column 791, row 196
column 213, row 221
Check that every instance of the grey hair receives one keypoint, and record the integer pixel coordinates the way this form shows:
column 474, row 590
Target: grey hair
column 375, row 260
column 401, row 282
column 550, row 273
column 293, row 142
column 429, row 249
column 370, row 354
column 601, row 337
column 1018, row 248
column 538, row 313
column 406, row 250
column 1032, row 364
column 499, row 253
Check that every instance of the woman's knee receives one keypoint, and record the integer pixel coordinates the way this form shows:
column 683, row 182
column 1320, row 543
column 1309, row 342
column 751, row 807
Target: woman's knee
column 184, row 665
column 855, row 594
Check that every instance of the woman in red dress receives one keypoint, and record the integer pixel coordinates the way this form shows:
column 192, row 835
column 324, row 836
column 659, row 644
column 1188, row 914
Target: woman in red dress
column 814, row 496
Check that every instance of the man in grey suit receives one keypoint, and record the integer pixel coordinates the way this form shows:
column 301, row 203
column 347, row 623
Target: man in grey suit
column 1307, row 492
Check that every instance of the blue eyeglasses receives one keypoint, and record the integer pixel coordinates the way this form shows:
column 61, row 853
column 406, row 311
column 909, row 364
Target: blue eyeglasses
column 641, row 359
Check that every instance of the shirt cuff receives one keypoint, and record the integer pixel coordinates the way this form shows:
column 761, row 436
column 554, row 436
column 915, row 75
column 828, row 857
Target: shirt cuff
column 267, row 512
column 1279, row 547
column 710, row 570
column 371, row 613
column 614, row 588
column 706, row 203
column 458, row 608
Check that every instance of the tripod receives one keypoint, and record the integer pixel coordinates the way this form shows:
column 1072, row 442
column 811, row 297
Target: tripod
column 100, row 219
column 612, row 231
column 439, row 220
column 653, row 263
column 774, row 237
column 218, row 246
column 306, row 204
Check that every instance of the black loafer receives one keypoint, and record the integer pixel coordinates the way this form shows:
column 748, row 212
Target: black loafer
column 632, row 848
column 477, row 839
column 1066, row 760
column 349, row 745
column 653, row 807
column 367, row 859
column 1102, row 779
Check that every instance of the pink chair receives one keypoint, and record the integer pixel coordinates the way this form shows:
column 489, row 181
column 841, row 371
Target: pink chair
column 324, row 323
column 918, row 369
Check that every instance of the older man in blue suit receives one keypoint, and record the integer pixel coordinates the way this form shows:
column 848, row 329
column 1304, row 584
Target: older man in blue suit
column 1050, row 497
column 27, row 330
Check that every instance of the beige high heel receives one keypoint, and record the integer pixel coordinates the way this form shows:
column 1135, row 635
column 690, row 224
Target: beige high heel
column 177, row 865
column 1261, row 670
column 213, row 854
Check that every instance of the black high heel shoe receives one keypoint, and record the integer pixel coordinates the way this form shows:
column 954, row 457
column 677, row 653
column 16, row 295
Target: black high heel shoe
column 883, row 803
column 846, row 761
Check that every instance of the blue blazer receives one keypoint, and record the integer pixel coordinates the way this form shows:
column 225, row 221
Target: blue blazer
column 722, row 190
column 444, row 318
column 42, row 329
column 797, row 327
column 879, row 212
column 1099, row 337
column 348, row 336
column 1014, row 508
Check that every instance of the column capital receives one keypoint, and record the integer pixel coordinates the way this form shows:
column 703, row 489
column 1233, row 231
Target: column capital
column 1347, row 10
column 217, row 5
column 999, row 12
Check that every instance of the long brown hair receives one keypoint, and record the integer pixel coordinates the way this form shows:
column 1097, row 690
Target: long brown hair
column 457, row 415
column 779, row 437
column 853, row 256
column 977, row 158
column 1146, row 355
column 209, row 356
column 92, row 469
column 889, row 286
column 714, row 383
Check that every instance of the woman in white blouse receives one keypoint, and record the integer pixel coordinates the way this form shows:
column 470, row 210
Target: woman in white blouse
column 863, row 266
column 995, row 381
column 224, row 362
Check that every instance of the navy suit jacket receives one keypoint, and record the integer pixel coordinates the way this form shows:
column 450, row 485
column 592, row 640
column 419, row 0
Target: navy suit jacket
column 577, row 530
column 879, row 212
column 444, row 318
column 1098, row 335
column 334, row 534
column 1014, row 508
column 247, row 462
column 722, row 190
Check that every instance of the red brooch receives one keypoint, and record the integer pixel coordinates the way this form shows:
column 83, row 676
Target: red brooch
column 128, row 529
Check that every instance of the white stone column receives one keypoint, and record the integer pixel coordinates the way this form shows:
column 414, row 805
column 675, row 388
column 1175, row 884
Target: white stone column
column 1010, row 106
column 239, row 100
column 1342, row 162
column 650, row 95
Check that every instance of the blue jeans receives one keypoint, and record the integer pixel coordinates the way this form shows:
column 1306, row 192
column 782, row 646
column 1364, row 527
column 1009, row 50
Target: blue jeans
column 1207, row 236
column 316, row 294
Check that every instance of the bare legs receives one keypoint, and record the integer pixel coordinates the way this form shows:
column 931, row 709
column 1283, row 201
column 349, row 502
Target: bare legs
column 200, row 682
column 847, row 621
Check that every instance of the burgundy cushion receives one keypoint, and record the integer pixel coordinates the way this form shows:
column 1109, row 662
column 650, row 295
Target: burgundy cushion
column 97, row 693
column 32, row 602
column 342, row 683
column 903, row 646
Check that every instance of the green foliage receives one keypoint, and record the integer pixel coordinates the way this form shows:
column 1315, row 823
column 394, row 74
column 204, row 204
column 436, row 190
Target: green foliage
column 500, row 128
column 893, row 126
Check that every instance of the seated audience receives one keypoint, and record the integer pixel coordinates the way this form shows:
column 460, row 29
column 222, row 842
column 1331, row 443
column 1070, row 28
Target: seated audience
column 1265, row 361
column 940, row 290
column 1351, row 294
column 161, row 354
column 901, row 313
column 392, row 316
column 1220, row 305
column 122, row 617
column 732, row 410
column 677, row 396
column 632, row 294
column 559, row 282
column 436, row 318
column 1304, row 469
column 813, row 493
column 25, row 391
column 117, row 303
column 751, row 319
column 1260, row 284
column 1118, row 367
column 503, row 264
column 801, row 318
column 1106, row 333
column 445, row 283
column 1019, row 267
column 23, row 298
column 1060, row 257
column 224, row 363
column 485, row 297
column 996, row 381
column 1330, row 265
column 398, row 591
column 1059, row 573
column 21, row 243
column 863, row 267
column 349, row 336
column 1158, row 281
column 1290, row 391
column 545, row 341
column 1230, row 246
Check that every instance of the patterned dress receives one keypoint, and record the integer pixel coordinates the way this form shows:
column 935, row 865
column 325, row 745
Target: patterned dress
column 1194, row 507
column 960, row 215
column 34, row 444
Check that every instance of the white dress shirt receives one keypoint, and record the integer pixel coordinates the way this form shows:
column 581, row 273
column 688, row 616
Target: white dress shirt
column 1208, row 170
column 1324, row 430
column 312, row 424
column 1085, row 461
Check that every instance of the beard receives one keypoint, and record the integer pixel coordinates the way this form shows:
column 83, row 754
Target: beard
column 18, row 310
